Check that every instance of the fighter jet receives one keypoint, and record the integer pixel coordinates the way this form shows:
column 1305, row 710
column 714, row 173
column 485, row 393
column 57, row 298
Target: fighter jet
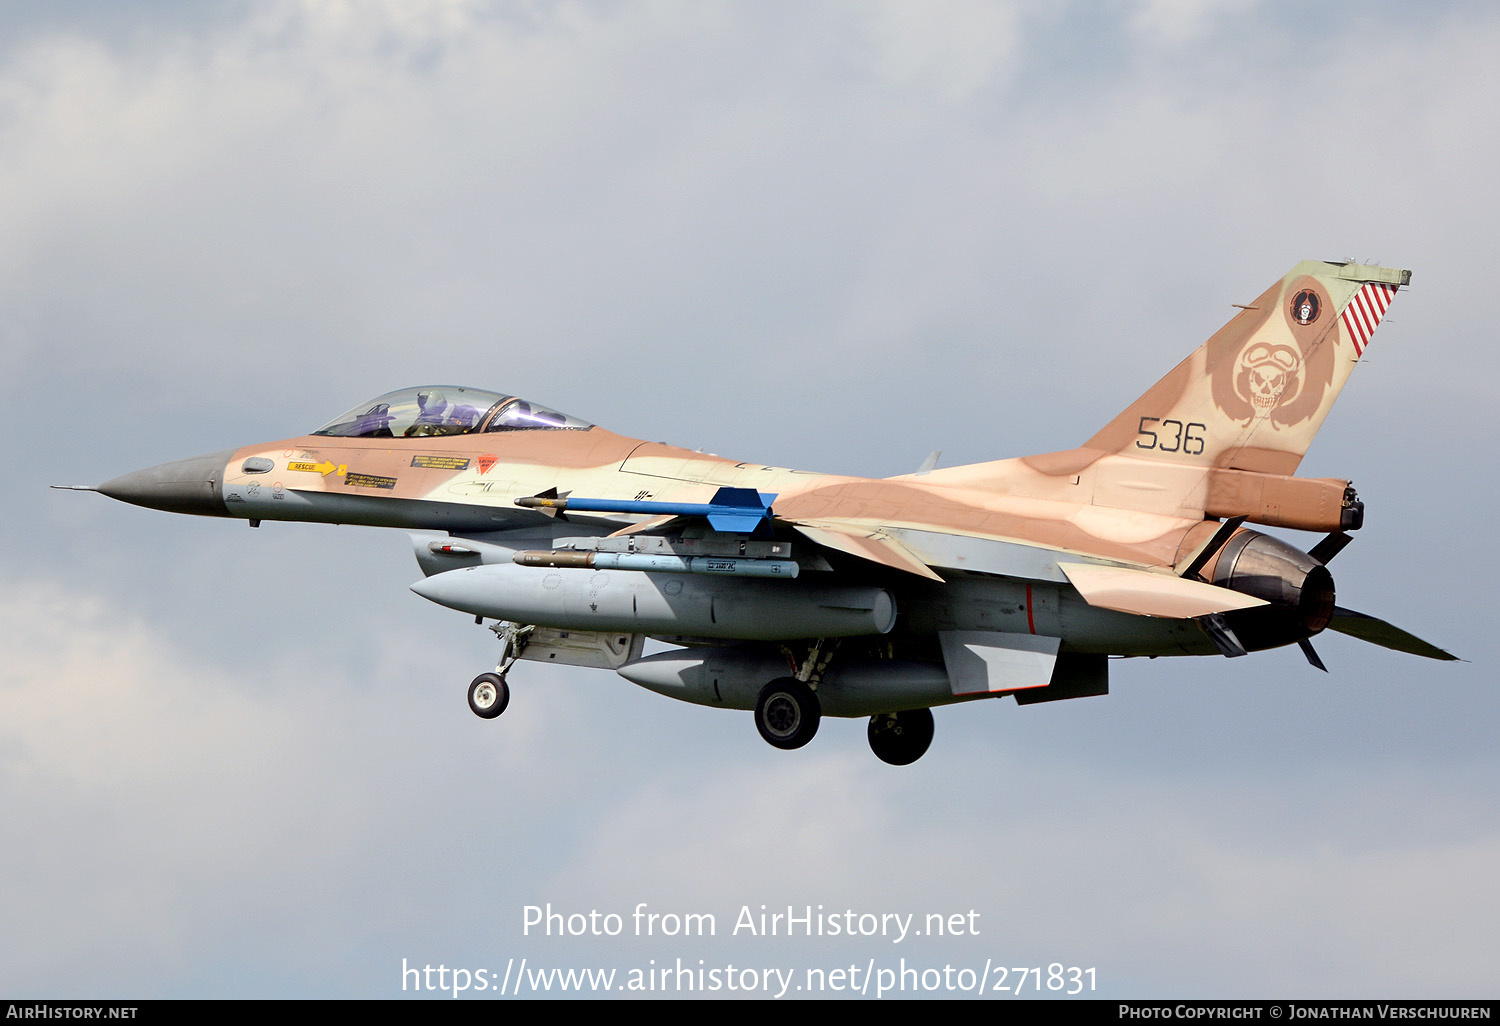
column 799, row 595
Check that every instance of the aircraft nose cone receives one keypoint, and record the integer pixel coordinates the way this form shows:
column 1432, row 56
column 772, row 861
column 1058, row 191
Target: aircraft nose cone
column 182, row 486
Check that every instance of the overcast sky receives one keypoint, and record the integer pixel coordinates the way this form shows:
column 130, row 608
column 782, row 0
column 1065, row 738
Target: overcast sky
column 825, row 235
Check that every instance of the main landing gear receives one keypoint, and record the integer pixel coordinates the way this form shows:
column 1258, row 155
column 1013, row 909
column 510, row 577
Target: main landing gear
column 488, row 692
column 901, row 738
column 787, row 713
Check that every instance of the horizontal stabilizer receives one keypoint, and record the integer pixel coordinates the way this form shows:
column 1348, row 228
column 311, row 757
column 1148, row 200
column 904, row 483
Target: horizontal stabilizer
column 1145, row 593
column 1378, row 632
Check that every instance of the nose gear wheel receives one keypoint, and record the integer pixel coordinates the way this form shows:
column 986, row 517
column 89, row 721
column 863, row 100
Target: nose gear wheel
column 488, row 695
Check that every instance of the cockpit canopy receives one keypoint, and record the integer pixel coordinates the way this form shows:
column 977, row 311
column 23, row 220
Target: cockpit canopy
column 446, row 410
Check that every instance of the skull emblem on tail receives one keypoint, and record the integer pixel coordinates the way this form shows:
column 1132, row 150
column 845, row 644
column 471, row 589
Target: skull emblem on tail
column 1266, row 373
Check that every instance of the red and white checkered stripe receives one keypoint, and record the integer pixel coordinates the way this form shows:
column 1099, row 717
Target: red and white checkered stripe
column 1364, row 312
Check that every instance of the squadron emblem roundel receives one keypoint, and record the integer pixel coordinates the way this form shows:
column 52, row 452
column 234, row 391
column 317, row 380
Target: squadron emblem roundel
column 1305, row 306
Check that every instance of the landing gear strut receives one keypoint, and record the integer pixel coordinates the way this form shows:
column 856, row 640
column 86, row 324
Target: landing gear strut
column 787, row 713
column 488, row 692
column 901, row 738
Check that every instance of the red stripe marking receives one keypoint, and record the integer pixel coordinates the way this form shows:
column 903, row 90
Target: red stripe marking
column 1353, row 334
column 1365, row 311
column 1030, row 623
column 1358, row 312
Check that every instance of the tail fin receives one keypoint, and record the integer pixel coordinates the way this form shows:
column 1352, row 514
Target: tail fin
column 1223, row 434
column 1253, row 396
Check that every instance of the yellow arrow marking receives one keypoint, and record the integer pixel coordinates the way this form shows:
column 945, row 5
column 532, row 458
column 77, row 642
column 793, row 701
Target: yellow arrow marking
column 325, row 468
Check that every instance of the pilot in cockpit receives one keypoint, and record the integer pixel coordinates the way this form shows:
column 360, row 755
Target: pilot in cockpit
column 436, row 416
column 430, row 407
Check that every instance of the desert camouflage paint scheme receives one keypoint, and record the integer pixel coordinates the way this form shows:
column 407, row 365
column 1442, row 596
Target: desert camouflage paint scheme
column 798, row 594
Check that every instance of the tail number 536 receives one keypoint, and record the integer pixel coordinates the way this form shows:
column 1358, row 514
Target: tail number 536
column 1171, row 436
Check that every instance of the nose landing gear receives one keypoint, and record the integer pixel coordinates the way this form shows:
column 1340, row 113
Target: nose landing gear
column 488, row 692
column 488, row 695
